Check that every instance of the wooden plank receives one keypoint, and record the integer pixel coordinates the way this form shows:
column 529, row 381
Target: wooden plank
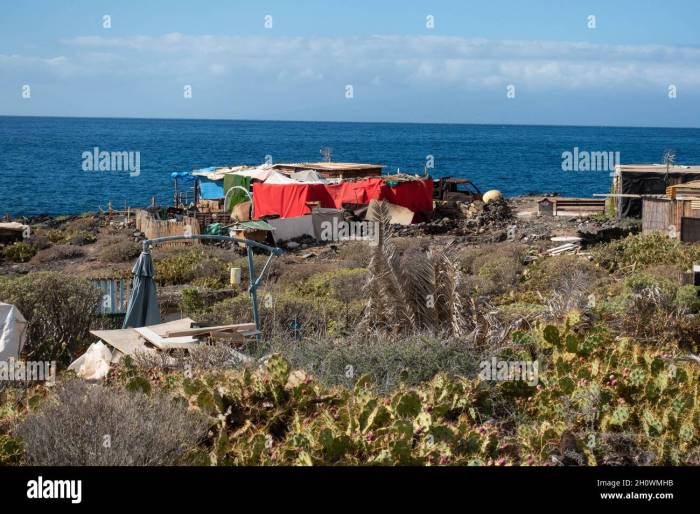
column 130, row 340
column 127, row 341
column 167, row 343
column 618, row 195
column 179, row 324
column 240, row 327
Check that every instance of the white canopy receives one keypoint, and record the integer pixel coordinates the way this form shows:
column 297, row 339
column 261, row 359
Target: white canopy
column 309, row 177
column 259, row 173
column 12, row 331
column 276, row 177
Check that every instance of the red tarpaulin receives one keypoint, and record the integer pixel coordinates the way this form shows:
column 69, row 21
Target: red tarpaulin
column 290, row 200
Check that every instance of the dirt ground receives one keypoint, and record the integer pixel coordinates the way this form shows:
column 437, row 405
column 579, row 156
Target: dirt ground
column 516, row 220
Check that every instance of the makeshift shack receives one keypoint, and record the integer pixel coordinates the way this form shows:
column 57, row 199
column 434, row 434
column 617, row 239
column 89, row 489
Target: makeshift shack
column 210, row 182
column 293, row 200
column 676, row 214
column 254, row 230
column 630, row 181
column 286, row 191
column 11, row 232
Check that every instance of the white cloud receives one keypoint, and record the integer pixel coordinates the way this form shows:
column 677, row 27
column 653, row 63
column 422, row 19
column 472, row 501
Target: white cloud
column 417, row 61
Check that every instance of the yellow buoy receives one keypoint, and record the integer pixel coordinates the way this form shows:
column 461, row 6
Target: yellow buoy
column 490, row 196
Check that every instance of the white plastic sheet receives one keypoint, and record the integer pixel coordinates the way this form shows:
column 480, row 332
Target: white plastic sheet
column 275, row 177
column 94, row 363
column 12, row 331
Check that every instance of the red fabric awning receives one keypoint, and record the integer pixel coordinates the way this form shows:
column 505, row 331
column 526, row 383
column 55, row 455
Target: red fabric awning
column 290, row 200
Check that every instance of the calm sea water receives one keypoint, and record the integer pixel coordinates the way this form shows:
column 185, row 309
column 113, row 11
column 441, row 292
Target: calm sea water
column 41, row 158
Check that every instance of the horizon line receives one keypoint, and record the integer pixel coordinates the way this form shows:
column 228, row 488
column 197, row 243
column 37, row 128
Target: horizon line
column 343, row 121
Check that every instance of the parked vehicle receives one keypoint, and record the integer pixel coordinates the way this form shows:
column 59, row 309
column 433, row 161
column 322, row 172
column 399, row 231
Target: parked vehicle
column 450, row 189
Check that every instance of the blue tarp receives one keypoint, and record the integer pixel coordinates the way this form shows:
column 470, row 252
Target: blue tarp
column 211, row 189
column 182, row 175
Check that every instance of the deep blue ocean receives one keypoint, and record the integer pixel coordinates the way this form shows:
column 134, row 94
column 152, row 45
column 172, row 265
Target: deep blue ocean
column 41, row 158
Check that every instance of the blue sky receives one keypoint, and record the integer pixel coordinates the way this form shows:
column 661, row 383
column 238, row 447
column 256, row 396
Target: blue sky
column 557, row 69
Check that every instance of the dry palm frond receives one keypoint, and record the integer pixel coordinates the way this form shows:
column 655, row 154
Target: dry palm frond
column 447, row 280
column 416, row 292
column 418, row 289
column 570, row 293
column 383, row 290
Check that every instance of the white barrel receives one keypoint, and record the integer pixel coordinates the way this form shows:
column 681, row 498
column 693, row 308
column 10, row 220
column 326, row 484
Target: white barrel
column 235, row 276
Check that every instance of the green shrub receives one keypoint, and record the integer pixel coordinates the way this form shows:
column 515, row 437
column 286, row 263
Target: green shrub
column 499, row 275
column 471, row 259
column 86, row 222
column 492, row 269
column 515, row 310
column 286, row 313
column 548, row 274
column 82, row 237
column 190, row 265
column 355, row 254
column 656, row 286
column 11, row 450
column 40, row 241
column 120, row 251
column 687, row 299
column 58, row 253
column 192, row 301
column 58, row 307
column 57, row 236
column 19, row 251
column 338, row 284
column 638, row 283
column 646, row 250
column 208, row 282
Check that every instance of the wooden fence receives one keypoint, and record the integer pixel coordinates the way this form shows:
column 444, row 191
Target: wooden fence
column 153, row 228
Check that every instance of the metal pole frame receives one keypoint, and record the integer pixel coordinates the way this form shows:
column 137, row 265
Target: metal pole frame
column 250, row 196
column 253, row 281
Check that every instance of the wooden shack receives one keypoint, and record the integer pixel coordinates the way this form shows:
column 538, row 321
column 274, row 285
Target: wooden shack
column 632, row 181
column 678, row 218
